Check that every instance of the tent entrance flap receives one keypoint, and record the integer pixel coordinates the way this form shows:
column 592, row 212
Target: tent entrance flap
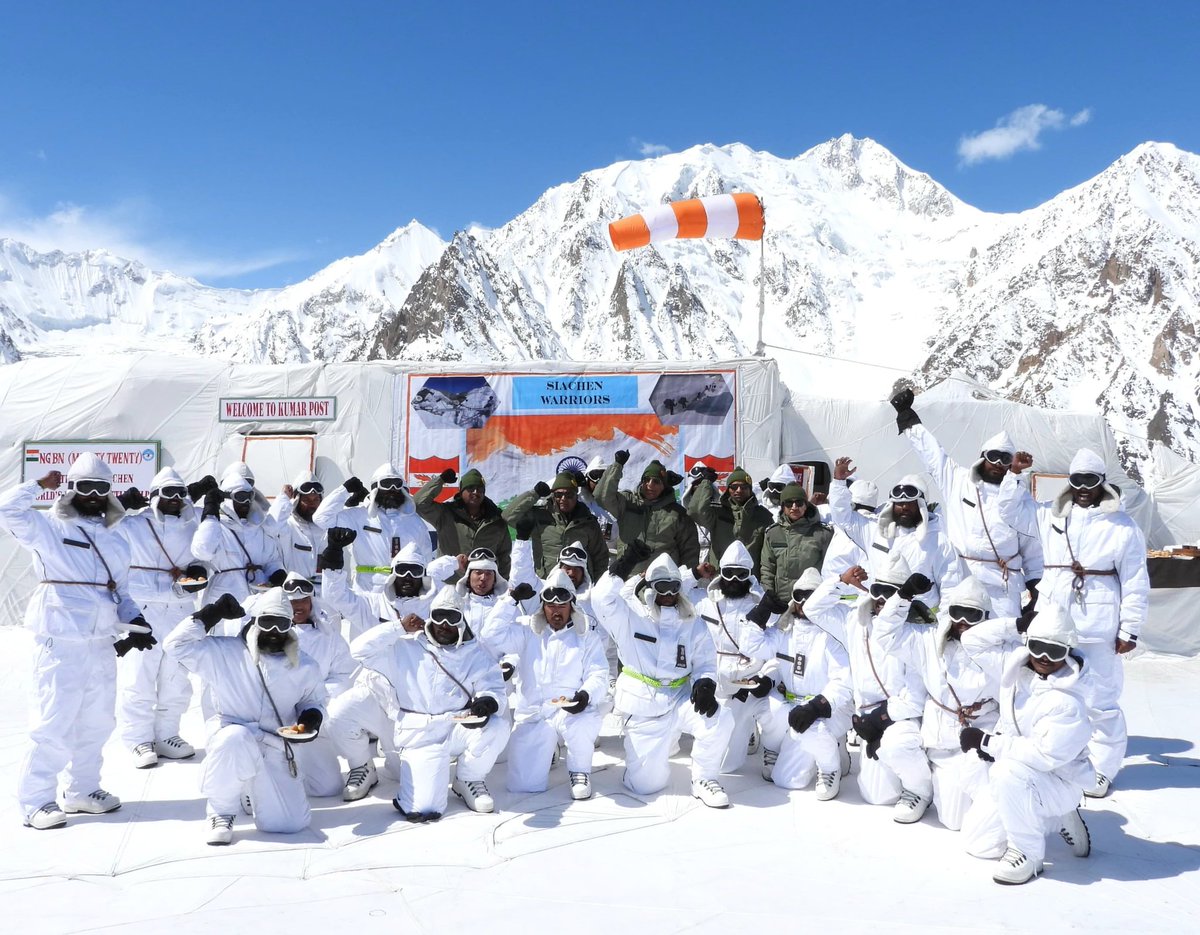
column 276, row 459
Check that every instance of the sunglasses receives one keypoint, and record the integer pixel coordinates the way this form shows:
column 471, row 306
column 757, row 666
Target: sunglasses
column 791, row 503
column 995, row 456
column 556, row 596
column 390, row 483
column 733, row 573
column 906, row 492
column 447, row 616
column 564, row 494
column 971, row 615
column 93, row 488
column 273, row 624
column 1044, row 649
column 299, row 586
column 883, row 591
column 474, row 488
column 666, row 587
column 310, row 487
column 242, row 496
column 172, row 493
column 570, row 552
column 481, row 555
column 739, row 485
column 1085, row 481
column 408, row 570
column 801, row 596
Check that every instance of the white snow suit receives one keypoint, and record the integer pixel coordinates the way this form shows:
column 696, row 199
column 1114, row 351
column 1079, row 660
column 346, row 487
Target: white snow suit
column 321, row 640
column 381, row 533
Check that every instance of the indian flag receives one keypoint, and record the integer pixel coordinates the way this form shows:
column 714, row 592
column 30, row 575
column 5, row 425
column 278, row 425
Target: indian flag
column 32, row 454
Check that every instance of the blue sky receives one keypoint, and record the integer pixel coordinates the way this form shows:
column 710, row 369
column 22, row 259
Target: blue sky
column 250, row 144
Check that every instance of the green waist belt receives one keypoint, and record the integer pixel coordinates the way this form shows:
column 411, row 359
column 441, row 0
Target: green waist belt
column 373, row 569
column 657, row 683
column 788, row 696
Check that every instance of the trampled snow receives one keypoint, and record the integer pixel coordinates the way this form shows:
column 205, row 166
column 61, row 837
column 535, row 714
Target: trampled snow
column 775, row 861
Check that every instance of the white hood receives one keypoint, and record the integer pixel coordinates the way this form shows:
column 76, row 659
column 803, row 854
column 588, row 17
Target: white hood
column 887, row 525
column 88, row 466
column 1001, row 441
column 388, row 469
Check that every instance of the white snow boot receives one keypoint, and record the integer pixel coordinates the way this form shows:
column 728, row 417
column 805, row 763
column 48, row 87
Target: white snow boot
column 46, row 817
column 770, row 758
column 174, row 748
column 1100, row 789
column 1075, row 832
column 474, row 792
column 581, row 786
column 220, row 829
column 144, row 755
column 1015, row 868
column 94, row 803
column 910, row 808
column 710, row 792
column 828, row 785
column 359, row 781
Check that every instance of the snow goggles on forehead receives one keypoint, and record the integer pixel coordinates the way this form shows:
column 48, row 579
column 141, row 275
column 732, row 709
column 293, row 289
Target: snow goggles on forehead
column 481, row 555
column 447, row 616
column 300, row 586
column 556, row 596
column 309, row 487
column 665, row 586
column 883, row 591
column 1044, row 649
column 905, row 493
column 273, row 624
column 408, row 570
column 93, row 488
column 1085, row 480
column 970, row 615
column 996, row 456
column 242, row 496
column 734, row 573
column 390, row 483
column 172, row 493
column 571, row 552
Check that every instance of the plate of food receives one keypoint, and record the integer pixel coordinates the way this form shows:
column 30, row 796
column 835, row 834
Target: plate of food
column 466, row 717
column 751, row 682
column 562, row 701
column 296, row 733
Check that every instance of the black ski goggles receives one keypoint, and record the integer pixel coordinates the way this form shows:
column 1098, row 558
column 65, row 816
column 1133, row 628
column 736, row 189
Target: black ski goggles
column 172, row 493
column 734, row 573
column 272, row 624
column 1044, row 649
column 996, row 456
column 881, row 592
column 481, row 555
column 408, row 570
column 310, row 487
column 556, row 596
column 905, row 493
column 299, row 587
column 447, row 616
column 665, row 586
column 390, row 483
column 92, row 488
column 571, row 553
column 595, row 475
column 1085, row 480
column 242, row 496
column 960, row 614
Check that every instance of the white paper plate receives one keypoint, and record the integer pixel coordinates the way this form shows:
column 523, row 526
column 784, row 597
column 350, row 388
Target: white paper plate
column 469, row 718
column 745, row 683
column 562, row 702
column 295, row 737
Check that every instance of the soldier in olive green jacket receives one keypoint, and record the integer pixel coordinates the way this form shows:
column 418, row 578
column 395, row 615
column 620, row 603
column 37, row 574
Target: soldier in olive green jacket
column 468, row 520
column 650, row 514
column 737, row 516
column 797, row 542
column 563, row 520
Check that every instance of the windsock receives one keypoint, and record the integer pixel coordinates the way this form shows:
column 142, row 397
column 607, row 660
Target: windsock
column 739, row 216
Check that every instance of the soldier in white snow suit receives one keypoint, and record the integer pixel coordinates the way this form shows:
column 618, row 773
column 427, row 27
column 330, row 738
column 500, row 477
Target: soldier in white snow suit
column 904, row 529
column 889, row 696
column 385, row 523
column 78, row 613
column 1039, row 750
column 164, row 578
column 437, row 694
column 562, row 684
column 1095, row 568
column 479, row 586
column 300, row 537
column 667, row 684
column 743, row 682
column 845, row 552
column 809, row 710
column 772, row 488
column 258, row 682
column 1004, row 557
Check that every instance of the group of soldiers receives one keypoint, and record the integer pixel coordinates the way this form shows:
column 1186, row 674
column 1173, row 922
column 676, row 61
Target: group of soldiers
column 967, row 649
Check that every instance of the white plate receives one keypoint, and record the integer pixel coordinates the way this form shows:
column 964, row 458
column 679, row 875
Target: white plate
column 562, row 702
column 745, row 683
column 294, row 736
column 469, row 719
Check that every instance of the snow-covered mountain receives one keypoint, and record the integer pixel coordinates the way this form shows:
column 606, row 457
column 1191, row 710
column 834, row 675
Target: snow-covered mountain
column 1090, row 299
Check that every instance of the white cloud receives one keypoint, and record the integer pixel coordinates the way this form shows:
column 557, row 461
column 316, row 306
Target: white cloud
column 650, row 149
column 124, row 229
column 1017, row 131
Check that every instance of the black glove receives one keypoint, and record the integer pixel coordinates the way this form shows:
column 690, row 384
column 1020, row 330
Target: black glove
column 580, row 478
column 803, row 716
column 673, row 479
column 212, row 503
column 1026, row 618
column 358, row 492
column 310, row 719
column 915, row 584
column 507, row 671
column 1034, row 594
column 742, row 695
column 972, row 738
column 763, row 688
column 633, row 553
column 871, row 727
column 483, row 707
column 704, row 697
column 621, row 456
column 198, row 571
column 448, row 476
column 542, row 489
column 919, row 612
column 277, row 578
column 581, row 699
column 132, row 499
column 336, row 539
column 201, row 487
column 139, row 641
column 521, row 592
column 905, row 417
column 524, row 527
column 767, row 605
column 224, row 607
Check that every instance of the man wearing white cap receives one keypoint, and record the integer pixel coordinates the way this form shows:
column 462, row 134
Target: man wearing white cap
column 1005, row 556
column 299, row 535
column 164, row 577
column 668, row 681
column 263, row 689
column 78, row 612
column 562, row 686
column 1039, row 749
column 384, row 525
column 845, row 552
column 1095, row 568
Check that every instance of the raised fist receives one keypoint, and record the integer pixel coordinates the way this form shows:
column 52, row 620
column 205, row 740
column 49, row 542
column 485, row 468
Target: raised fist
column 621, row 456
column 448, row 476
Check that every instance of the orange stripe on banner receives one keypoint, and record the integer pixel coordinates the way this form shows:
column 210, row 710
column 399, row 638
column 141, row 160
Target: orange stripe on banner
column 750, row 216
column 630, row 232
column 692, row 218
column 547, row 435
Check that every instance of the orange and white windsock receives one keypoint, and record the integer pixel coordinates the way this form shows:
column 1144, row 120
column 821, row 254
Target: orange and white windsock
column 739, row 216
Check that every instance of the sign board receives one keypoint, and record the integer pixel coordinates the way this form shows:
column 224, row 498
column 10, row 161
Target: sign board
column 133, row 463
column 521, row 428
column 279, row 409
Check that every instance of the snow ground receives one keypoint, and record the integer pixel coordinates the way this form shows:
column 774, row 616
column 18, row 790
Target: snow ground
column 659, row 864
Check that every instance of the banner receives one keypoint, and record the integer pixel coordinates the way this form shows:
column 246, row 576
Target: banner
column 133, row 463
column 517, row 429
column 279, row 409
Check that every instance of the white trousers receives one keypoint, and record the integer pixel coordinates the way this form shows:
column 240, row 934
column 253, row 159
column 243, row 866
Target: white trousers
column 319, row 766
column 957, row 779
column 801, row 755
column 1106, row 749
column 648, row 742
column 425, row 752
column 532, row 744
column 153, row 688
column 243, row 760
column 746, row 715
column 1018, row 807
column 70, row 718
column 902, row 764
